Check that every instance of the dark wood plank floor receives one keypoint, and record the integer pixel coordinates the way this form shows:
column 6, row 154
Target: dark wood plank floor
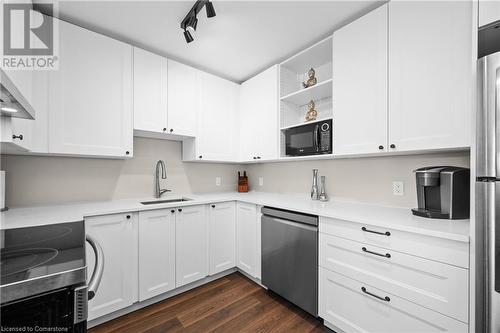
column 230, row 304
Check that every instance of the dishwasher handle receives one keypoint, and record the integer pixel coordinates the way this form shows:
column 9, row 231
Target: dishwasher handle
column 291, row 223
column 96, row 277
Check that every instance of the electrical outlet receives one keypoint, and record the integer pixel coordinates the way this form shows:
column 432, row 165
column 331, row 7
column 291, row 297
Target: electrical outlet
column 398, row 188
column 217, row 181
column 261, row 181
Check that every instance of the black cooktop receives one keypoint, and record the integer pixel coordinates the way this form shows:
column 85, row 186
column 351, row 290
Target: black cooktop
column 34, row 252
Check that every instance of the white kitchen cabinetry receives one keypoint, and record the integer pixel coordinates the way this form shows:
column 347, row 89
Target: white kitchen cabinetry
column 222, row 225
column 191, row 257
column 156, row 252
column 217, row 135
column 150, row 91
column 90, row 96
column 246, row 238
column 430, row 74
column 489, row 12
column 360, row 85
column 258, row 121
column 117, row 235
column 183, row 98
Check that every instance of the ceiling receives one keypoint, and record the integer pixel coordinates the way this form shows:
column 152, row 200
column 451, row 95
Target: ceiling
column 243, row 39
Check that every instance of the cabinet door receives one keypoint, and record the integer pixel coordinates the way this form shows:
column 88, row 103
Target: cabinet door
column 222, row 236
column 156, row 252
column 183, row 98
column 191, row 244
column 430, row 74
column 91, row 95
column 150, row 91
column 217, row 137
column 259, row 116
column 117, row 235
column 360, row 85
column 489, row 12
column 246, row 237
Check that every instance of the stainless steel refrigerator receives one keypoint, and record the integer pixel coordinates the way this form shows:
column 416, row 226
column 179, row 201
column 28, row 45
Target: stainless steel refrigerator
column 488, row 193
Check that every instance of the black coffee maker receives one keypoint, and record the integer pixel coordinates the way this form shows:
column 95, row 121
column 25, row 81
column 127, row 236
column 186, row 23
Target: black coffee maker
column 443, row 192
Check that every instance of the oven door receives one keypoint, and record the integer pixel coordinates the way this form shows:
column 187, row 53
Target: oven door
column 303, row 140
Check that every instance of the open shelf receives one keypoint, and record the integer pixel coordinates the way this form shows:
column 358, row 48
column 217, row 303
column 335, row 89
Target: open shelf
column 305, row 123
column 302, row 97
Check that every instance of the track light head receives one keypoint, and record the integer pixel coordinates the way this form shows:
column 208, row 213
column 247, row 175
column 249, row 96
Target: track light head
column 192, row 23
column 188, row 37
column 210, row 9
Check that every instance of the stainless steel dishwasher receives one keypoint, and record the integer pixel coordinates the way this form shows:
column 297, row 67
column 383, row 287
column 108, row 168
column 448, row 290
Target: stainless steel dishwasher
column 290, row 256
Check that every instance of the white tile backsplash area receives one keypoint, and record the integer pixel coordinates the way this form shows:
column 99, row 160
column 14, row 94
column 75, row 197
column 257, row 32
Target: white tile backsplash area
column 36, row 180
column 355, row 179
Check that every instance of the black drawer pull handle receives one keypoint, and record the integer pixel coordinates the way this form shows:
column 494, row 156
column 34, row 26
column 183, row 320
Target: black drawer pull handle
column 20, row 137
column 386, row 298
column 387, row 255
column 387, row 233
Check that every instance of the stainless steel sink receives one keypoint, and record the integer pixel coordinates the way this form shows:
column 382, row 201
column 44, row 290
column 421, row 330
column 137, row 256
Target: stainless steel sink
column 157, row 202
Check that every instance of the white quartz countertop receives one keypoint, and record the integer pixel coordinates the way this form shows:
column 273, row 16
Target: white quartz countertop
column 375, row 215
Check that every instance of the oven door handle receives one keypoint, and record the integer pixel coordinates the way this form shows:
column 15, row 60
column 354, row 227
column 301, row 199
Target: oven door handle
column 96, row 277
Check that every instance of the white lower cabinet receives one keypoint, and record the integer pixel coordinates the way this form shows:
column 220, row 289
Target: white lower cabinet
column 156, row 252
column 222, row 225
column 117, row 235
column 191, row 244
column 354, row 306
column 246, row 238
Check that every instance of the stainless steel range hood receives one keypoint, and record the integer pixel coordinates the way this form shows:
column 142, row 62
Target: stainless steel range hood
column 12, row 102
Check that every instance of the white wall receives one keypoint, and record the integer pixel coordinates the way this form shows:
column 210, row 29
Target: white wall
column 356, row 179
column 34, row 180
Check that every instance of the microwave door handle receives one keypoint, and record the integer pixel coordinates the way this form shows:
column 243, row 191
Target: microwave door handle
column 316, row 137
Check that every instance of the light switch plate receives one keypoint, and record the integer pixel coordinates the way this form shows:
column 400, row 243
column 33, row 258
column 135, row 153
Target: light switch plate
column 398, row 188
column 217, row 181
column 261, row 181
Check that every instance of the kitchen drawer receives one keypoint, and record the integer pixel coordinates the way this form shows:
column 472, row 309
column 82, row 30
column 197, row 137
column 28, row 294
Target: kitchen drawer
column 434, row 248
column 345, row 305
column 437, row 286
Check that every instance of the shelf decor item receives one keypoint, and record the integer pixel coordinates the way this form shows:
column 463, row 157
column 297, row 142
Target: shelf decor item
column 242, row 182
column 311, row 81
column 311, row 114
column 314, row 187
column 323, row 196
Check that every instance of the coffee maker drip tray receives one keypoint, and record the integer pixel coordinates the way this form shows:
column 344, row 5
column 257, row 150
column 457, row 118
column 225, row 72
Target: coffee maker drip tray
column 430, row 213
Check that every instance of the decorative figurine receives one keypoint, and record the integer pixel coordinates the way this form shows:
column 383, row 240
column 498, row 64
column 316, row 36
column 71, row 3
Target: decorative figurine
column 311, row 112
column 311, row 81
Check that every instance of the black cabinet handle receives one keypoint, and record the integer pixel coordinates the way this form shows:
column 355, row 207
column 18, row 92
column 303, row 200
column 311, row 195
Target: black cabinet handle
column 254, row 158
column 172, row 211
column 180, row 209
column 164, row 129
column 258, row 157
column 386, row 298
column 128, row 217
column 392, row 146
column 200, row 156
column 127, row 153
column 171, row 130
column 387, row 233
column 213, row 206
column 20, row 137
column 381, row 147
column 387, row 255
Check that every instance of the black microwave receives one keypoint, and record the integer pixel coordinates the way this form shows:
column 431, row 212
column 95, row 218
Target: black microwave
column 310, row 139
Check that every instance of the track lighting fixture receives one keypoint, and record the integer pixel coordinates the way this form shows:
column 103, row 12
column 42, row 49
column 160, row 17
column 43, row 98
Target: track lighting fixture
column 191, row 21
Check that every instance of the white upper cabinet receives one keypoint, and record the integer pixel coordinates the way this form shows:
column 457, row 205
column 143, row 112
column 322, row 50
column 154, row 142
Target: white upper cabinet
column 217, row 137
column 360, row 85
column 183, row 98
column 91, row 95
column 258, row 122
column 156, row 252
column 191, row 256
column 222, row 236
column 246, row 238
column 430, row 74
column 489, row 12
column 117, row 235
column 150, row 91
